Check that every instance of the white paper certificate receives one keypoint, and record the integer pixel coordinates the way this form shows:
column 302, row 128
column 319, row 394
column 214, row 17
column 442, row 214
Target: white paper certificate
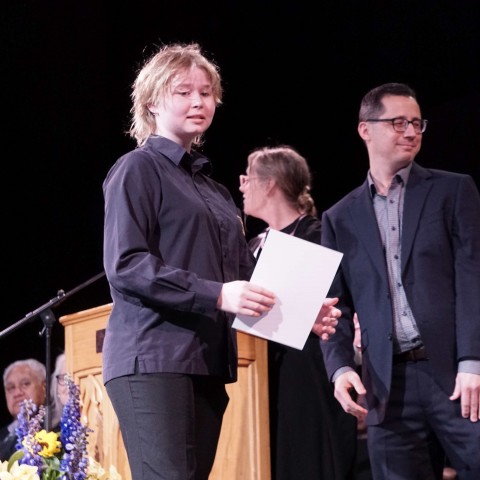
column 300, row 274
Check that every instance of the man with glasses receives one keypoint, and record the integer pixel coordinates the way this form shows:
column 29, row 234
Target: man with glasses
column 22, row 380
column 411, row 270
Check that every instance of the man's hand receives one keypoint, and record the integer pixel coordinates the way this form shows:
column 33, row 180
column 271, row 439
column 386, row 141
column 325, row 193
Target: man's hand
column 344, row 384
column 467, row 388
column 327, row 319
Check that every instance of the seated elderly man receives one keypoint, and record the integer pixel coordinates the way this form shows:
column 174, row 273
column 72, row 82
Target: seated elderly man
column 22, row 379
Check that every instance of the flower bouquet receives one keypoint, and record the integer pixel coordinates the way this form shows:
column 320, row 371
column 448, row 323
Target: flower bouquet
column 62, row 455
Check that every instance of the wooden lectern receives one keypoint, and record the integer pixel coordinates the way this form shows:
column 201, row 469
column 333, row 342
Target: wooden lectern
column 244, row 448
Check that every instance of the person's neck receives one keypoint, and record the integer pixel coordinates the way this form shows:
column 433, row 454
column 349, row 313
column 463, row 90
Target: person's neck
column 382, row 176
column 381, row 184
column 280, row 216
column 186, row 143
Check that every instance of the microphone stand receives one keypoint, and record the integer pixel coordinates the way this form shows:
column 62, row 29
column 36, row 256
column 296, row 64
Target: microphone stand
column 46, row 314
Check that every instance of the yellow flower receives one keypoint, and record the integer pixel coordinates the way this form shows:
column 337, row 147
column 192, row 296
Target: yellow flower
column 18, row 472
column 49, row 442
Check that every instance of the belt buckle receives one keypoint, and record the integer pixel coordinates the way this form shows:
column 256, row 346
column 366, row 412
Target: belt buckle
column 417, row 354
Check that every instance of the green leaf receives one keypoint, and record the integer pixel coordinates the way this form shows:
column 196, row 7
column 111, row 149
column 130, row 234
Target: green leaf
column 16, row 456
column 52, row 472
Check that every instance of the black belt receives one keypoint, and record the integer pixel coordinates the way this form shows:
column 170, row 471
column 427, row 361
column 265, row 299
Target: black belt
column 414, row 355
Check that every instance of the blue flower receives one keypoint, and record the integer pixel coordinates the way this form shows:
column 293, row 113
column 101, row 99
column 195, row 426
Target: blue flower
column 70, row 462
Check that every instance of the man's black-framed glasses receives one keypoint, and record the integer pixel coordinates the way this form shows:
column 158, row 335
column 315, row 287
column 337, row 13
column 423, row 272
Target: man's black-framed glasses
column 400, row 124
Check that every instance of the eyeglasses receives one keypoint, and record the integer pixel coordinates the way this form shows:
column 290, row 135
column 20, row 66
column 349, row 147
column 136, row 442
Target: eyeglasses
column 244, row 179
column 60, row 379
column 400, row 124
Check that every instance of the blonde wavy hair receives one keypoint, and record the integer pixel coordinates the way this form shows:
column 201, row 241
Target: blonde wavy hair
column 156, row 79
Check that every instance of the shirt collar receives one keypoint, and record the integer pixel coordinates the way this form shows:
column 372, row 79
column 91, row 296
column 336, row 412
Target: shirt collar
column 193, row 161
column 403, row 173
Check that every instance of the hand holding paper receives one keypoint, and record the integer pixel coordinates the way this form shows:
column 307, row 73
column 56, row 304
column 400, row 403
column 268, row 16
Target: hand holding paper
column 300, row 273
column 245, row 298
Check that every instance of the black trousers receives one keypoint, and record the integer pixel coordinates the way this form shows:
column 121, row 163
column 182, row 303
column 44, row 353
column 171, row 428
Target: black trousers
column 421, row 424
column 170, row 423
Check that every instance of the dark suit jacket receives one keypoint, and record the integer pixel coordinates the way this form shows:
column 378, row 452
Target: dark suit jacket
column 440, row 270
column 7, row 444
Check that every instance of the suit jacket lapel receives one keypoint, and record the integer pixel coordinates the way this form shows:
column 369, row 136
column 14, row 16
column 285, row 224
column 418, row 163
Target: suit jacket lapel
column 415, row 196
column 363, row 217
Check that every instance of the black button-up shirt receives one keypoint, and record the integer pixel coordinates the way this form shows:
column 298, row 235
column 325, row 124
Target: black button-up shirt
column 172, row 237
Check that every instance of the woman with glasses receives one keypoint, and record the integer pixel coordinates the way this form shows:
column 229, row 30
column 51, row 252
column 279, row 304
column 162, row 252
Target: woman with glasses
column 58, row 390
column 312, row 438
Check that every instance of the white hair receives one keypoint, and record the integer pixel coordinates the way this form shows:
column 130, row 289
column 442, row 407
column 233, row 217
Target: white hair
column 38, row 368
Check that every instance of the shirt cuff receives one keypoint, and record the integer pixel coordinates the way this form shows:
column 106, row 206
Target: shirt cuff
column 340, row 371
column 469, row 366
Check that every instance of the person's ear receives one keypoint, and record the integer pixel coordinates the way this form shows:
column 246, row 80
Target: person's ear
column 363, row 130
column 153, row 109
column 269, row 185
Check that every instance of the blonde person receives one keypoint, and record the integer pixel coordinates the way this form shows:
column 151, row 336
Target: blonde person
column 177, row 263
column 312, row 438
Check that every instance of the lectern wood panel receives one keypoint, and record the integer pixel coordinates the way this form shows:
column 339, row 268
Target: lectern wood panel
column 244, row 447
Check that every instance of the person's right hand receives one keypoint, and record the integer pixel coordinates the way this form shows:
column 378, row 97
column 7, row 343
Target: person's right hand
column 327, row 319
column 245, row 298
column 346, row 382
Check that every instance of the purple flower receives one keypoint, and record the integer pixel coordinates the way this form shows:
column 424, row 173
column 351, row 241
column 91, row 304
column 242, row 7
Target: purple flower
column 73, row 464
column 30, row 421
column 73, row 436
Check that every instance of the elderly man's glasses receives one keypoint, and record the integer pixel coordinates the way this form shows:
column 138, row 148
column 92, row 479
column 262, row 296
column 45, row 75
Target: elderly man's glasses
column 400, row 125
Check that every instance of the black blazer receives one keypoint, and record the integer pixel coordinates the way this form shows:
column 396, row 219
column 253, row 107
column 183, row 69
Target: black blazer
column 7, row 444
column 440, row 271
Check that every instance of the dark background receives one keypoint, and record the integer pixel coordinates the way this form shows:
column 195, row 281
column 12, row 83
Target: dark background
column 294, row 72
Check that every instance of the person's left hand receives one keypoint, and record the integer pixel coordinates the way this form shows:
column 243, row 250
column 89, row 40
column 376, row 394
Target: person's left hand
column 327, row 319
column 467, row 388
